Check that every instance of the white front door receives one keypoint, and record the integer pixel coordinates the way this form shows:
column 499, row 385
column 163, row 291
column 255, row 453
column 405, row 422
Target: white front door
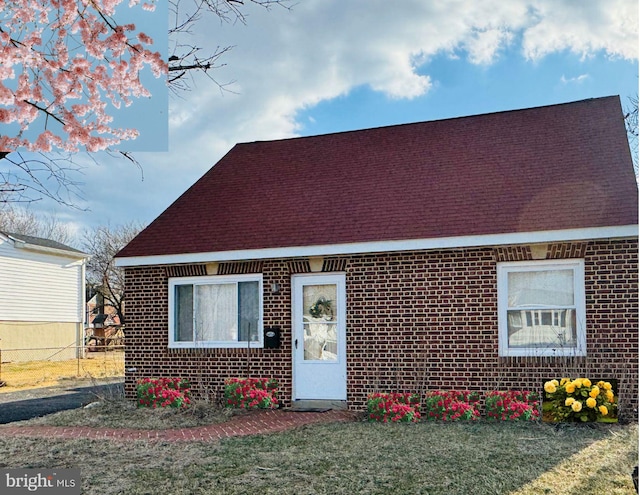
column 319, row 331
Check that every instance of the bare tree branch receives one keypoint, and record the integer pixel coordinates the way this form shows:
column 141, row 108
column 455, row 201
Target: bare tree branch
column 631, row 123
column 29, row 177
column 102, row 243
column 185, row 59
column 16, row 220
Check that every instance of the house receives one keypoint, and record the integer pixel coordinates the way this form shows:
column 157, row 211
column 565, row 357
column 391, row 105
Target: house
column 41, row 299
column 98, row 313
column 103, row 330
column 486, row 252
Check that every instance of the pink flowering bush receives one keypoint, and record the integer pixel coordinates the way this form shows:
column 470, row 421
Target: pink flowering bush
column 394, row 407
column 514, row 405
column 163, row 392
column 452, row 405
column 251, row 393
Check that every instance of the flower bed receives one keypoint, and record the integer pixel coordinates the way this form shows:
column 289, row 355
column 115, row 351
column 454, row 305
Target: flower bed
column 452, row 405
column 394, row 407
column 580, row 400
column 163, row 392
column 514, row 405
column 251, row 393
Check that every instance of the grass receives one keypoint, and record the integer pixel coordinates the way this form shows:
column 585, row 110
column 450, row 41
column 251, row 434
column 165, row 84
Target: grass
column 119, row 413
column 424, row 458
column 35, row 374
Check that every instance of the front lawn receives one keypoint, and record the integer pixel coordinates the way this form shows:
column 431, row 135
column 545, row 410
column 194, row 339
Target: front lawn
column 353, row 458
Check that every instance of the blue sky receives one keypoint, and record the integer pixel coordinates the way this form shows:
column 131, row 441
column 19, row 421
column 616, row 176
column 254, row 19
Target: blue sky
column 330, row 66
column 461, row 88
column 149, row 115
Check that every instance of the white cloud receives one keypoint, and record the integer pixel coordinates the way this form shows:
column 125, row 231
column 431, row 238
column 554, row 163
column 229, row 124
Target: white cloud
column 323, row 49
column 485, row 45
column 584, row 28
column 578, row 79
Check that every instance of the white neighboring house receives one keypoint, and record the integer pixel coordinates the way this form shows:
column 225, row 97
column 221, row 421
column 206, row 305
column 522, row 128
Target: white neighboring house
column 42, row 299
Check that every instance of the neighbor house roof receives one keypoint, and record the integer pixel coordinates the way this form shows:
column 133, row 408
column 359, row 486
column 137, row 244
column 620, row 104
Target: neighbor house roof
column 555, row 168
column 42, row 244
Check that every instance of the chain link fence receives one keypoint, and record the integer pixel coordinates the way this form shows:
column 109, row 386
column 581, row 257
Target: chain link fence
column 49, row 366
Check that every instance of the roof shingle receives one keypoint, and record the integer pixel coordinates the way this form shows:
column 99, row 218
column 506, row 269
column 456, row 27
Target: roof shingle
column 556, row 167
column 42, row 242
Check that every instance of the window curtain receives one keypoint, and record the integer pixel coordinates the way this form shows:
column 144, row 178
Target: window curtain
column 552, row 288
column 216, row 312
column 542, row 314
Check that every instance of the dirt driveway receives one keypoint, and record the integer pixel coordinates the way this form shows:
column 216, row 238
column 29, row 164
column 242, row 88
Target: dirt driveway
column 32, row 403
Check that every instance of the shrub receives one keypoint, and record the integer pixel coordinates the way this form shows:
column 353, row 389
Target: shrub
column 514, row 405
column 453, row 405
column 163, row 392
column 251, row 393
column 580, row 400
column 395, row 407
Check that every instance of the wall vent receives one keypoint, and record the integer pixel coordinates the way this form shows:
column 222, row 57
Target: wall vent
column 334, row 265
column 185, row 270
column 298, row 266
column 240, row 267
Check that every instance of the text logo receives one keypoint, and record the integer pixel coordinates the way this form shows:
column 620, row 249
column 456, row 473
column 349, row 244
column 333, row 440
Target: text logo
column 40, row 481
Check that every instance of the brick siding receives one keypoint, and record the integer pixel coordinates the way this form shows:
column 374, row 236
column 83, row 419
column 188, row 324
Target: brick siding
column 416, row 321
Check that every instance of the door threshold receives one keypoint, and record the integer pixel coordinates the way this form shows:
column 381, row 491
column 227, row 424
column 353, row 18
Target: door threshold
column 313, row 405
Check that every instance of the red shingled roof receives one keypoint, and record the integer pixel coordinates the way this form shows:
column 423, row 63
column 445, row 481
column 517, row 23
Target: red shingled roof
column 556, row 167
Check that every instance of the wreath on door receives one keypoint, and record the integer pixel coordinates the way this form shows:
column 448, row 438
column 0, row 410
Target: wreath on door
column 322, row 307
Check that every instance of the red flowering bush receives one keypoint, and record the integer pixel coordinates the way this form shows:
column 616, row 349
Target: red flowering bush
column 163, row 392
column 514, row 405
column 251, row 393
column 394, row 407
column 452, row 405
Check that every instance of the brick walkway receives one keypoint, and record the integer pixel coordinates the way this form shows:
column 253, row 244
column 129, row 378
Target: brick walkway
column 254, row 423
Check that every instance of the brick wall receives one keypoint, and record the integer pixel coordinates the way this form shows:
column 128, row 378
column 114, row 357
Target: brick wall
column 415, row 321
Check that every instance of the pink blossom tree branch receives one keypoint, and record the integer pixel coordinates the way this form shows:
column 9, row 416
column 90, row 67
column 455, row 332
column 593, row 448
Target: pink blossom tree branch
column 62, row 63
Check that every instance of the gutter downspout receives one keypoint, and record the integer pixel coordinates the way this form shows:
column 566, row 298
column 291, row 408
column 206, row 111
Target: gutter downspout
column 83, row 311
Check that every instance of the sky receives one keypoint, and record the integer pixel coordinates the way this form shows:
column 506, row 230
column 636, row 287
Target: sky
column 148, row 115
column 326, row 66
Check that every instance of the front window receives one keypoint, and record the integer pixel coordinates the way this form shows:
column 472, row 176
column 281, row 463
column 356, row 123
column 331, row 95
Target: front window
column 541, row 308
column 215, row 311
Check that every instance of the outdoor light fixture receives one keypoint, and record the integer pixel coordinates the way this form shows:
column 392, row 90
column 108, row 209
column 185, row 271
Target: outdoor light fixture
column 275, row 288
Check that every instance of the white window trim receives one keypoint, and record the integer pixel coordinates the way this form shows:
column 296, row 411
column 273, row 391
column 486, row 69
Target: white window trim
column 216, row 279
column 577, row 265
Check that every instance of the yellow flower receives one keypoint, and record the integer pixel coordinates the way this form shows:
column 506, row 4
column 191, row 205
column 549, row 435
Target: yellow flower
column 607, row 386
column 564, row 381
column 595, row 391
column 577, row 406
column 569, row 401
column 577, row 382
column 603, row 410
column 600, row 384
column 555, row 382
column 609, row 395
column 591, row 402
column 586, row 382
column 550, row 387
column 570, row 387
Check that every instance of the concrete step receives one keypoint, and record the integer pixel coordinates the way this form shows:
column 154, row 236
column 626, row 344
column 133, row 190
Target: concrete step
column 318, row 405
